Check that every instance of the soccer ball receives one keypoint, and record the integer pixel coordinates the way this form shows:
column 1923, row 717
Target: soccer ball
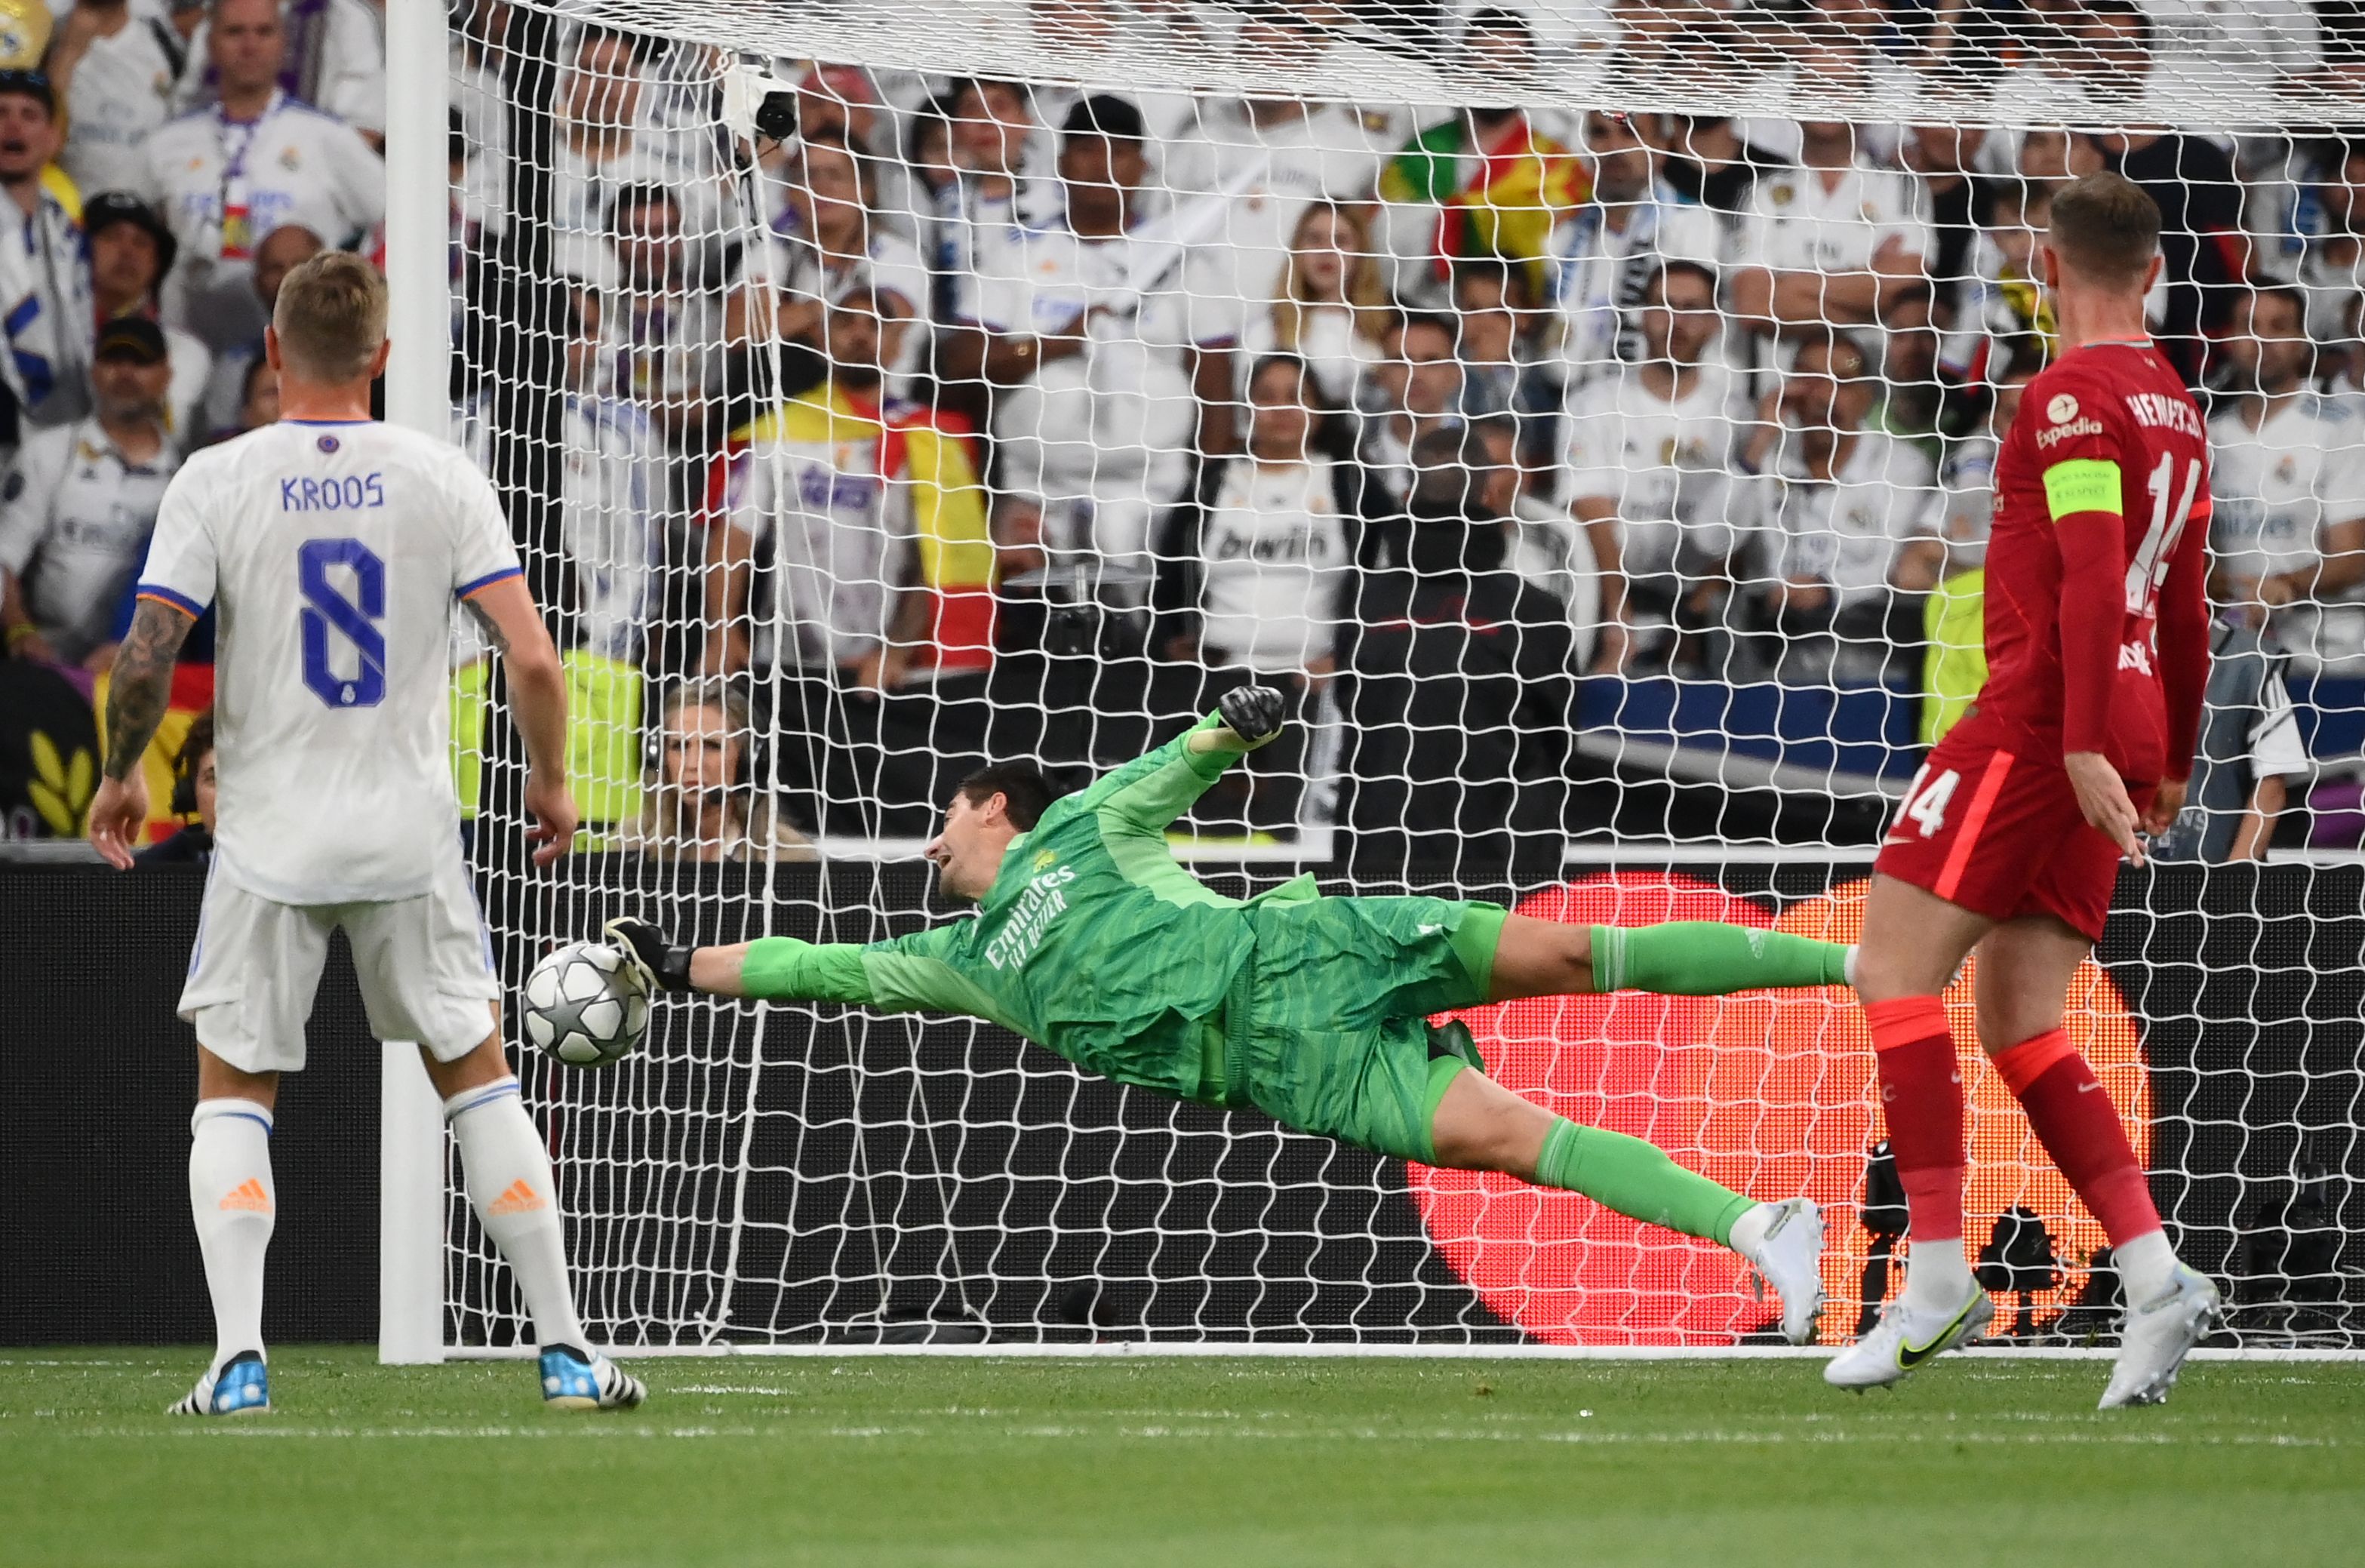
column 584, row 1005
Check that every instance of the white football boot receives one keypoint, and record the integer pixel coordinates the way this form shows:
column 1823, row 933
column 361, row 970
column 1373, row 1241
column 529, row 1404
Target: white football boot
column 1904, row 1340
column 2157, row 1334
column 1790, row 1257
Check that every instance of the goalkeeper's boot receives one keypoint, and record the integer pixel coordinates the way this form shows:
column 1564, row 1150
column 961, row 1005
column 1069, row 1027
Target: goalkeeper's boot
column 241, row 1386
column 2157, row 1334
column 1788, row 1254
column 572, row 1380
column 1904, row 1340
column 662, row 965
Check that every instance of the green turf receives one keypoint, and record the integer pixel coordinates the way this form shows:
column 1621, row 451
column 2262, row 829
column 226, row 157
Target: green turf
column 1238, row 1463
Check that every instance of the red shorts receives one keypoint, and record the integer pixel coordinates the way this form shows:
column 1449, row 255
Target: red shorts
column 2002, row 835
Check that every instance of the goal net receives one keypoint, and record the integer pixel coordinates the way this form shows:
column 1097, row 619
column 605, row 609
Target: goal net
column 1584, row 413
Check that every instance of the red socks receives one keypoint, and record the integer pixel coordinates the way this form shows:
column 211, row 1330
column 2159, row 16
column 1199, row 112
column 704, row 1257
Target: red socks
column 2080, row 1127
column 1921, row 1099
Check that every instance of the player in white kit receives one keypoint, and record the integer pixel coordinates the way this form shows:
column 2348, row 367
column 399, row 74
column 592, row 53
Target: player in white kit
column 332, row 549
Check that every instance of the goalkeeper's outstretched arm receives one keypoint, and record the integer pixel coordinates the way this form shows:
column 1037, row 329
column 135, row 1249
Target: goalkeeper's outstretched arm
column 777, row 968
column 1148, row 793
column 908, row 974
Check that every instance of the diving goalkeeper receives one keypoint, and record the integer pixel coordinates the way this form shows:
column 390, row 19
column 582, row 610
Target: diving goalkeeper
column 1092, row 941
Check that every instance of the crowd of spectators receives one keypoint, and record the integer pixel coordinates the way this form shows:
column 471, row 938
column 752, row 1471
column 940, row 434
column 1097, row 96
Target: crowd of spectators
column 972, row 415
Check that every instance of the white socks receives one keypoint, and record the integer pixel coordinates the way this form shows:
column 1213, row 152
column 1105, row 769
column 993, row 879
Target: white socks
column 1749, row 1230
column 511, row 1187
column 233, row 1201
column 2147, row 1266
column 1937, row 1279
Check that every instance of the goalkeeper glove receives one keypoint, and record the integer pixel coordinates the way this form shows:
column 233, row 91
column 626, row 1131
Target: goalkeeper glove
column 662, row 965
column 1252, row 712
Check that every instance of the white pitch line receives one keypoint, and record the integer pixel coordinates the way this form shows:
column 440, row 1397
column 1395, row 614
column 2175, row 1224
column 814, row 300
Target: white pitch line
column 1169, row 1432
column 1122, row 1350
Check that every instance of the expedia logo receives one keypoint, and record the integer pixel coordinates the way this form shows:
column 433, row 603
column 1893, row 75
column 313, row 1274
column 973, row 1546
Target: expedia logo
column 2060, row 433
column 2062, row 409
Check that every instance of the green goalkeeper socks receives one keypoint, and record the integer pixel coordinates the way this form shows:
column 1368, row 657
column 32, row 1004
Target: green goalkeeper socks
column 1708, row 958
column 1638, row 1181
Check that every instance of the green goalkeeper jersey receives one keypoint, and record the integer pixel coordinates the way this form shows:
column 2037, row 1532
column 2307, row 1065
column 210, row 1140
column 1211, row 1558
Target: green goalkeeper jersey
column 1093, row 941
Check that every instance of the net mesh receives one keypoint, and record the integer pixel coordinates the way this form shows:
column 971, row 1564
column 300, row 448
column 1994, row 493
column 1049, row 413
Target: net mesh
column 879, row 389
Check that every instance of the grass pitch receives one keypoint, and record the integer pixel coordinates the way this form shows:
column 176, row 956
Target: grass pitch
column 1143, row 1463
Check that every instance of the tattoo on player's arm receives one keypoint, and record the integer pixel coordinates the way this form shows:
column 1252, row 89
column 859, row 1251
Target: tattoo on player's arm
column 141, row 686
column 488, row 627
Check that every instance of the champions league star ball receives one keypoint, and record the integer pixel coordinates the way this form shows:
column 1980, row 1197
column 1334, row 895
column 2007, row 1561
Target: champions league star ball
column 584, row 1005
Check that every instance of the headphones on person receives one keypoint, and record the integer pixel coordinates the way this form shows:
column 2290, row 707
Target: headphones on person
column 194, row 747
column 726, row 697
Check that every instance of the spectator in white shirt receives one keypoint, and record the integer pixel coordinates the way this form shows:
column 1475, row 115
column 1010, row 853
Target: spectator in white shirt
column 131, row 254
column 2002, row 298
column 611, row 496
column 117, row 67
column 990, row 138
column 1266, row 557
column 1329, row 305
column 607, row 137
column 1834, row 242
column 669, row 331
column 1647, row 459
column 2289, row 476
column 44, row 274
column 827, row 242
column 1835, row 504
column 841, row 104
column 1262, row 573
column 255, row 161
column 341, row 63
column 1112, row 354
column 2306, row 230
column 279, row 252
column 1270, row 157
column 1605, row 254
column 77, row 507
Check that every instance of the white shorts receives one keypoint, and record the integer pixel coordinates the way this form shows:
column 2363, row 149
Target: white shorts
column 425, row 966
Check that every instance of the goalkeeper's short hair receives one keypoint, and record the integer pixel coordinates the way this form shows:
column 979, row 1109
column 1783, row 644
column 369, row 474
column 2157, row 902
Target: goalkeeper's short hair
column 1026, row 788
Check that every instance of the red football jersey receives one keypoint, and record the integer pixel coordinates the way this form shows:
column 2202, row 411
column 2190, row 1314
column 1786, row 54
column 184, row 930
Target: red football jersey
column 2097, row 617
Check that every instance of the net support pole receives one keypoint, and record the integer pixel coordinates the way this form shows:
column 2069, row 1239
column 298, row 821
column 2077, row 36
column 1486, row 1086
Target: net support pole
column 417, row 225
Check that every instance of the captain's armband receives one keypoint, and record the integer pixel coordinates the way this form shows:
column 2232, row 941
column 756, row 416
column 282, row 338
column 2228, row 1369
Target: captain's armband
column 2083, row 484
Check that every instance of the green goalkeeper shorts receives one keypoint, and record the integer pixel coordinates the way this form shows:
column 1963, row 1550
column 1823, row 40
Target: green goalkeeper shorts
column 1326, row 1029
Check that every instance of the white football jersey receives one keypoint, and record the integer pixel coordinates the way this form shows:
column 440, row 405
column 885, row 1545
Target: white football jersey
column 2279, row 486
column 1665, row 466
column 334, row 552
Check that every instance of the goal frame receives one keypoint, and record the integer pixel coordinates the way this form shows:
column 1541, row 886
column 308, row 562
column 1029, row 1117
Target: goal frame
column 411, row 1156
column 418, row 1287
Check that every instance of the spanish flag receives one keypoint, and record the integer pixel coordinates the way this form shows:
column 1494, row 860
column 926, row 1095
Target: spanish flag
column 929, row 456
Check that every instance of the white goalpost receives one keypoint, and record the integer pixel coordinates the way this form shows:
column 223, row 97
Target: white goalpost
column 411, row 1156
column 883, row 387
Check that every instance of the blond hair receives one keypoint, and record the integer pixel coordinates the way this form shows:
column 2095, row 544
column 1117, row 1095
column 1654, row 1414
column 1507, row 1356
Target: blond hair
column 752, row 830
column 1365, row 294
column 331, row 316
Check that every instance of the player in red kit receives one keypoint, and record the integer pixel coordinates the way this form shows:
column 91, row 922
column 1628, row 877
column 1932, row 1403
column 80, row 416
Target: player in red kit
column 2010, row 839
